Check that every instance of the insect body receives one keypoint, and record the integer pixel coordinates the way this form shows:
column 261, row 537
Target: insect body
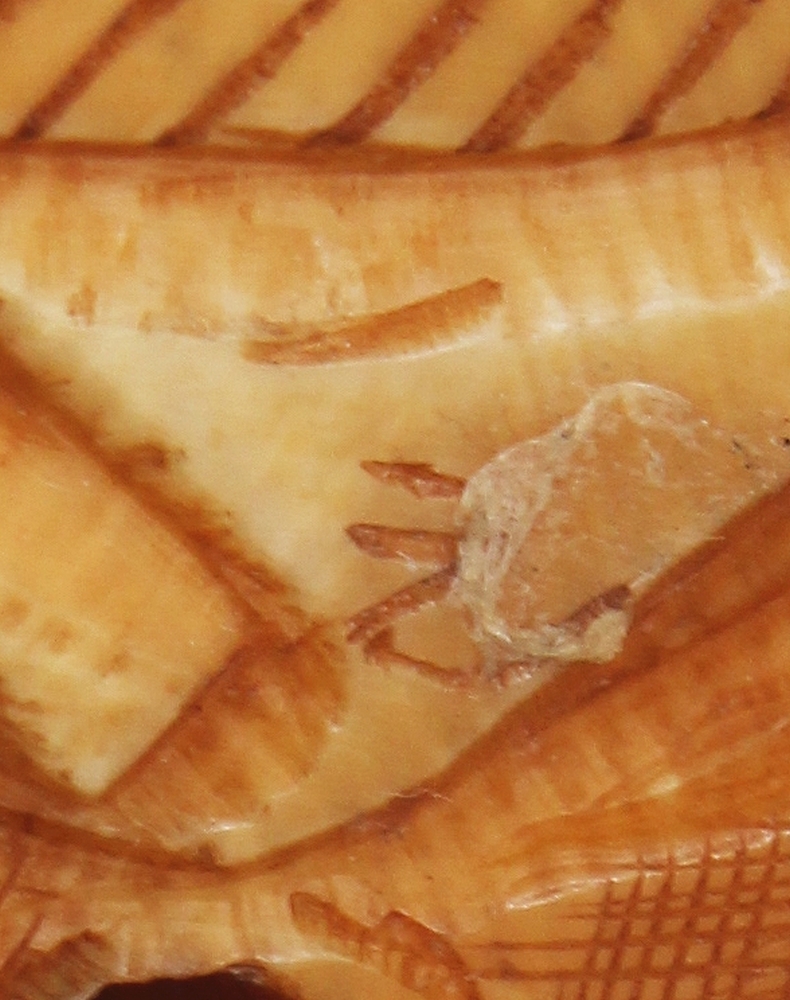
column 557, row 535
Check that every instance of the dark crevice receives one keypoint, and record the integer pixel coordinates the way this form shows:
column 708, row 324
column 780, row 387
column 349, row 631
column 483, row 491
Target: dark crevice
column 219, row 987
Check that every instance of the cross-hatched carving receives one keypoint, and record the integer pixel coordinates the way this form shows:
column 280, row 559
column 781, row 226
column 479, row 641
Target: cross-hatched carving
column 715, row 926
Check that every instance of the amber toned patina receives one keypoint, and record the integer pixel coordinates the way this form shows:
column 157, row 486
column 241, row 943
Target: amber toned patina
column 319, row 818
column 394, row 546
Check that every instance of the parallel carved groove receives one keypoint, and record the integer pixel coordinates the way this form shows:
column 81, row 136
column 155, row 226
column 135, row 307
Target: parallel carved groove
column 438, row 37
column 553, row 71
column 721, row 25
column 221, row 108
column 135, row 18
column 262, row 65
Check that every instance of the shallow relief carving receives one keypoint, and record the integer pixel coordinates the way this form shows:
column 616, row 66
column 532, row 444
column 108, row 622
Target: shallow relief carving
column 581, row 803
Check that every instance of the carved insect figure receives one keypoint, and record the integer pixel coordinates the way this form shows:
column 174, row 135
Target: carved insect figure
column 449, row 882
column 559, row 534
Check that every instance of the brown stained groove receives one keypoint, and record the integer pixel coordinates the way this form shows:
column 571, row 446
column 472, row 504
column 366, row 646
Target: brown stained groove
column 723, row 22
column 9, row 883
column 382, row 651
column 135, row 18
column 731, row 906
column 429, row 324
column 614, row 599
column 421, row 959
column 418, row 478
column 406, row 544
column 16, row 959
column 262, row 65
column 411, row 598
column 438, row 36
column 72, row 967
column 553, row 71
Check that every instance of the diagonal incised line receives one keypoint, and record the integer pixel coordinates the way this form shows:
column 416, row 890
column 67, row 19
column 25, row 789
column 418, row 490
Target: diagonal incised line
column 544, row 79
column 723, row 22
column 439, row 35
column 256, row 69
column 135, row 18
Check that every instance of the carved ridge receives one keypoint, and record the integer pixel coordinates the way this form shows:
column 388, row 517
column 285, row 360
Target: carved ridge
column 398, row 946
column 435, row 323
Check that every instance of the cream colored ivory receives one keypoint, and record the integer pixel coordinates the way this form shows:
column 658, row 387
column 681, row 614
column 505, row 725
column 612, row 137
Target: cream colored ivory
column 443, row 74
column 256, row 356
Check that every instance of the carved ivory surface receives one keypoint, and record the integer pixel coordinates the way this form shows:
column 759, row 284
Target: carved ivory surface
column 481, row 75
column 394, row 571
